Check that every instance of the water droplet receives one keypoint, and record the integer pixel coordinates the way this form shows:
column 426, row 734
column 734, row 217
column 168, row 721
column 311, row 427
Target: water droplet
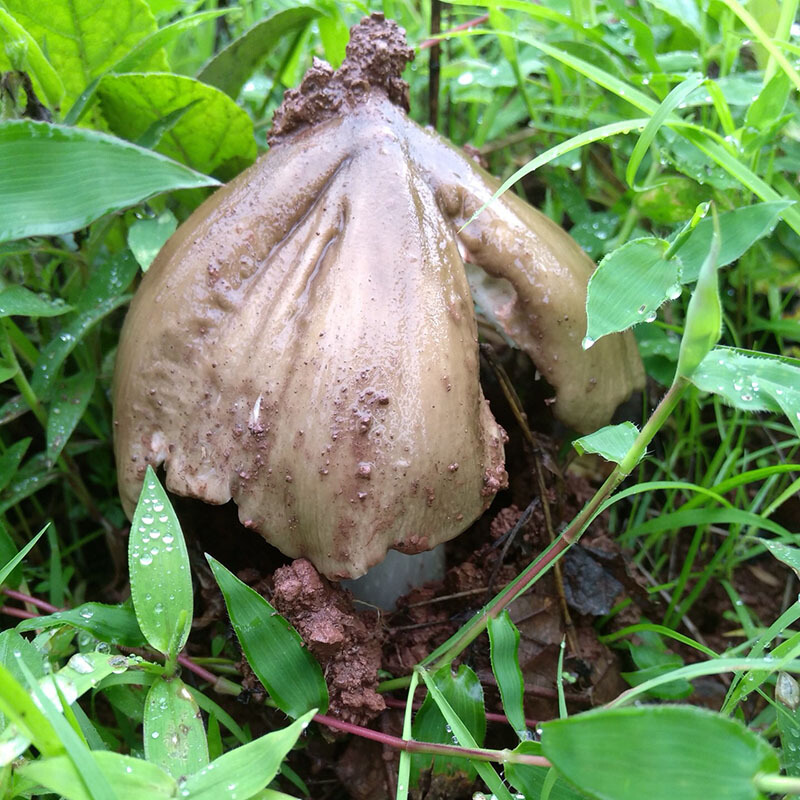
column 642, row 308
column 674, row 291
column 168, row 539
column 158, row 507
column 587, row 342
column 87, row 613
column 747, row 398
column 148, row 520
column 158, row 608
column 651, row 317
column 163, row 518
column 155, row 533
column 103, row 647
column 154, row 735
column 145, row 561
column 118, row 664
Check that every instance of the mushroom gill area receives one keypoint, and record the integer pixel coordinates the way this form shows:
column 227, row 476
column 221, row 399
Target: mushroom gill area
column 306, row 342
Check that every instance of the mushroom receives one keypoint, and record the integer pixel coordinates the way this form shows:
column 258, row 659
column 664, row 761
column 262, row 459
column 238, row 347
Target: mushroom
column 306, row 342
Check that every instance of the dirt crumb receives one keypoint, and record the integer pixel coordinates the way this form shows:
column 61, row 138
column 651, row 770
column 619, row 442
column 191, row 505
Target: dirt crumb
column 376, row 56
column 346, row 647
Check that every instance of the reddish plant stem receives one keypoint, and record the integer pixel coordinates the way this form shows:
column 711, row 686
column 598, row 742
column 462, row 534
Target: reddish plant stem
column 20, row 613
column 470, row 23
column 412, row 746
column 34, row 601
column 201, row 672
column 490, row 715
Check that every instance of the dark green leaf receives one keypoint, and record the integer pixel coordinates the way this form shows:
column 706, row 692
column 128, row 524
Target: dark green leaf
column 55, row 179
column 769, row 104
column 12, row 563
column 10, row 461
column 272, row 647
column 463, row 692
column 658, row 752
column 113, row 624
column 504, row 652
column 70, row 399
column 233, row 65
column 174, row 737
column 19, row 301
column 211, row 133
column 161, row 583
column 242, row 772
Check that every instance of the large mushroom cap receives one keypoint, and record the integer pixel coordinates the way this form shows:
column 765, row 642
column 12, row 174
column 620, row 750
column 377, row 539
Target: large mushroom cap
column 306, row 342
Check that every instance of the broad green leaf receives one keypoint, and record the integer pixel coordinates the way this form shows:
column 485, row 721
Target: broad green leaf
column 83, row 38
column 30, row 478
column 161, row 583
column 70, row 399
column 103, row 294
column 628, row 287
column 7, row 371
column 233, row 65
column 787, row 711
column 17, row 301
column 658, row 752
column 652, row 659
column 112, row 624
column 739, row 230
column 769, row 104
column 174, row 736
column 23, row 53
column 133, row 778
column 147, row 236
column 671, row 199
column 464, row 695
column 703, row 325
column 273, row 648
column 684, row 12
column 212, row 133
column 10, row 461
column 612, row 442
column 504, row 653
column 240, row 773
column 55, row 179
column 529, row 780
column 752, row 381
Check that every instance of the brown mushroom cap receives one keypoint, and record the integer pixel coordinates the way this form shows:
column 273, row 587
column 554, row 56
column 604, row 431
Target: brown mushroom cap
column 306, row 342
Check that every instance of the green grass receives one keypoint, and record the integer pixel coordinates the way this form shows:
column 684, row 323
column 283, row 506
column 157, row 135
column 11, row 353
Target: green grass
column 643, row 129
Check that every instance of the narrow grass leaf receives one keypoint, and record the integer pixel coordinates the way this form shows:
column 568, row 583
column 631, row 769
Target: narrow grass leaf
column 11, row 564
column 462, row 734
column 647, row 136
column 147, row 236
column 161, row 582
column 212, row 132
column 10, row 461
column 739, row 230
column 70, row 400
column 23, row 53
column 55, row 179
column 504, row 654
column 273, row 648
column 784, row 553
column 703, row 325
column 113, row 624
column 156, row 130
column 530, row 780
column 628, row 287
column 752, row 381
column 241, row 773
column 770, row 102
column 134, row 778
column 613, row 442
column 174, row 736
column 464, row 696
column 787, row 712
column 618, row 753
column 83, row 38
column 233, row 65
column 22, row 302
column 26, row 722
